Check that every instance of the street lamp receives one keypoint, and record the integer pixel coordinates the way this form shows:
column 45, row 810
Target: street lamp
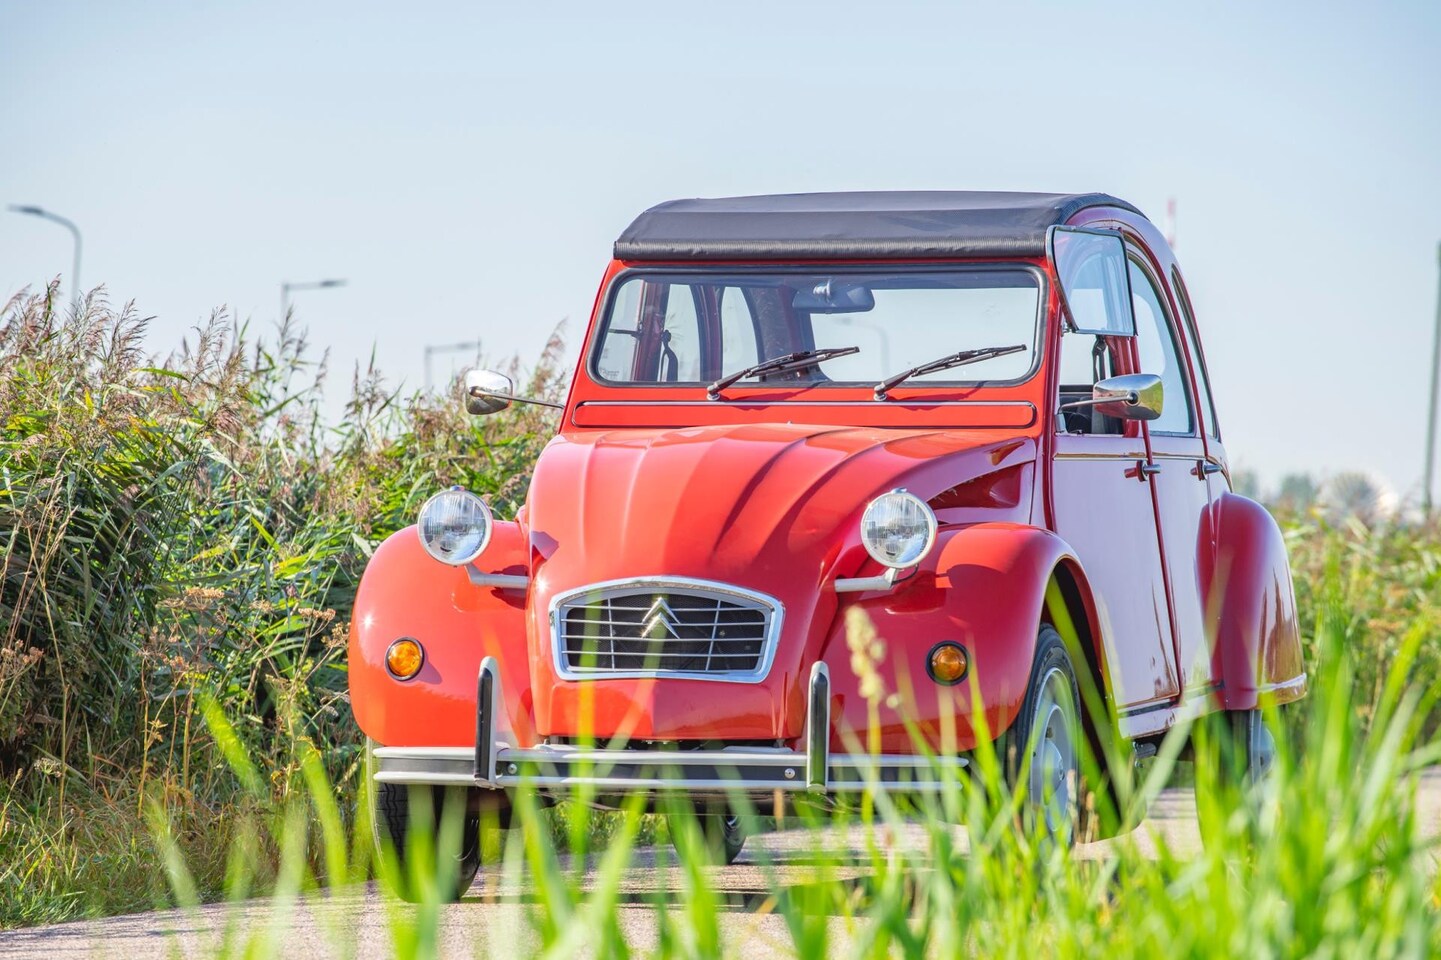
column 286, row 289
column 1431, row 408
column 44, row 214
column 432, row 349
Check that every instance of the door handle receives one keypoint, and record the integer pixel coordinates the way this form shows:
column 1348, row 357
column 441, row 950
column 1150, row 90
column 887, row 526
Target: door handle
column 1145, row 471
column 1204, row 468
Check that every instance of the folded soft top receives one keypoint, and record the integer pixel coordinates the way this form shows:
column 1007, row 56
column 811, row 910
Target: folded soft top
column 853, row 225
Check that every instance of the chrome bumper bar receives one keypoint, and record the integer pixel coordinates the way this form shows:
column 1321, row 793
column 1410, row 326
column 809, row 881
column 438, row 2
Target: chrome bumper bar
column 756, row 771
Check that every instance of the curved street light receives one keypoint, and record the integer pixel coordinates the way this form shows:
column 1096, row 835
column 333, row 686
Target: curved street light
column 287, row 288
column 68, row 224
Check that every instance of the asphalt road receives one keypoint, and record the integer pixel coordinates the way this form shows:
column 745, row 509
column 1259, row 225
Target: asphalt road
column 488, row 922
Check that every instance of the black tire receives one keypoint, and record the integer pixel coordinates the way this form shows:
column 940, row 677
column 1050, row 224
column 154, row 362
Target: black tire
column 722, row 834
column 396, row 805
column 1234, row 753
column 1050, row 712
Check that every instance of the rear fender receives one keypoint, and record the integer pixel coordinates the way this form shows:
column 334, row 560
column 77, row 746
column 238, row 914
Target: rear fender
column 407, row 593
column 985, row 589
column 1250, row 605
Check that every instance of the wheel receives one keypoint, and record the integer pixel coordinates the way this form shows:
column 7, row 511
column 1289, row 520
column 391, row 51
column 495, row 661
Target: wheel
column 1041, row 751
column 396, row 806
column 1235, row 755
column 721, row 833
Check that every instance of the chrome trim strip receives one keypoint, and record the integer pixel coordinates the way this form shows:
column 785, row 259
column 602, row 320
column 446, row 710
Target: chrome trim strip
column 487, row 701
column 659, row 584
column 434, row 778
column 1137, row 455
column 870, row 404
column 574, row 754
column 500, row 581
column 1205, row 688
column 818, row 728
column 1292, row 684
column 772, row 769
column 1149, row 707
column 886, row 581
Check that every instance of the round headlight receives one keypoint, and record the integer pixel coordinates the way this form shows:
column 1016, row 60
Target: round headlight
column 898, row 529
column 454, row 526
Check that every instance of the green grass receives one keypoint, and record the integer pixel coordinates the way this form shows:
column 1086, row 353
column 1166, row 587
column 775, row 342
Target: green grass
column 180, row 542
column 1330, row 861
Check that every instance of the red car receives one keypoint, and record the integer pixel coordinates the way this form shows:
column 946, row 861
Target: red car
column 983, row 419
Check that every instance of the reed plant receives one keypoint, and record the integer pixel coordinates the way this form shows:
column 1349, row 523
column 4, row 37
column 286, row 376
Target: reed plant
column 187, row 529
column 180, row 542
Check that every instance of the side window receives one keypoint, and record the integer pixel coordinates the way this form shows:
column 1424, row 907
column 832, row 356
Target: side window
column 1156, row 342
column 738, row 330
column 1091, row 265
column 1085, row 358
column 654, row 334
column 617, row 355
column 1198, row 361
column 680, row 343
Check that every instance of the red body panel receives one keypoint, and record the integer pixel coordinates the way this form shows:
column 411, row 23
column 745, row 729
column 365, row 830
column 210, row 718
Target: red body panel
column 765, row 492
column 1252, row 607
column 1011, row 562
column 769, row 507
column 407, row 593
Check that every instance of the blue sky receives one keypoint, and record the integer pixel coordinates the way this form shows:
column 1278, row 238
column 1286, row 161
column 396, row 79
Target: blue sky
column 466, row 167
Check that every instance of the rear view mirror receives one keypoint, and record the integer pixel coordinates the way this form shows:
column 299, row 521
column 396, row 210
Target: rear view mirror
column 1134, row 396
column 831, row 296
column 486, row 392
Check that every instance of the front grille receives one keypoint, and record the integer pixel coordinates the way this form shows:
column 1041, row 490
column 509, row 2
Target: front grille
column 665, row 628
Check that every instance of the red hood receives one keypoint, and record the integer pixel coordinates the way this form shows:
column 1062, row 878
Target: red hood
column 772, row 507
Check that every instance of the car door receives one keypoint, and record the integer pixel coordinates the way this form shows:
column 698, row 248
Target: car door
column 1180, row 478
column 1101, row 497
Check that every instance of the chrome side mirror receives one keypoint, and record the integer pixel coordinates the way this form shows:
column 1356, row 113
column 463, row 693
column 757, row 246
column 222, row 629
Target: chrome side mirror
column 486, row 392
column 1134, row 396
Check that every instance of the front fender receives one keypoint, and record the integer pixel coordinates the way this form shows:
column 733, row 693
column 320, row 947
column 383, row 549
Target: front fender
column 1250, row 605
column 985, row 589
column 407, row 593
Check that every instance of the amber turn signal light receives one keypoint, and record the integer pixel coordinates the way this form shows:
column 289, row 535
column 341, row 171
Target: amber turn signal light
column 404, row 658
column 948, row 663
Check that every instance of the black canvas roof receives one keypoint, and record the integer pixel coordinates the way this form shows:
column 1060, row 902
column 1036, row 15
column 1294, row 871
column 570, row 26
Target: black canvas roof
column 853, row 225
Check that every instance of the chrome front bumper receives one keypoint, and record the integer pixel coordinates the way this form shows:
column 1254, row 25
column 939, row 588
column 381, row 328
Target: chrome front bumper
column 755, row 771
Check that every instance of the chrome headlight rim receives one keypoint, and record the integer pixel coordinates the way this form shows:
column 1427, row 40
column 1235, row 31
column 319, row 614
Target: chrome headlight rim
column 931, row 529
column 489, row 520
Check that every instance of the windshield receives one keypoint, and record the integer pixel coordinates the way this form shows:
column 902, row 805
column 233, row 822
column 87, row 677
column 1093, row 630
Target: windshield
column 697, row 328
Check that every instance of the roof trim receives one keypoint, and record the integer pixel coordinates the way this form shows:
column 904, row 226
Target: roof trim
column 880, row 225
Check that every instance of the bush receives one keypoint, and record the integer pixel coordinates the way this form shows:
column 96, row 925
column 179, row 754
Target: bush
column 194, row 528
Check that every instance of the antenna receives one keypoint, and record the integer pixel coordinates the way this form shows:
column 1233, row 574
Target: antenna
column 1171, row 222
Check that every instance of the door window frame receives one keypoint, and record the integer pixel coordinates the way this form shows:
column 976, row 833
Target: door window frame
column 1206, row 399
column 1136, row 255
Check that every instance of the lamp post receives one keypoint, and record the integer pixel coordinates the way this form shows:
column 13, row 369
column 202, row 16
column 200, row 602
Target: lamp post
column 287, row 288
column 68, row 224
column 1431, row 409
column 432, row 349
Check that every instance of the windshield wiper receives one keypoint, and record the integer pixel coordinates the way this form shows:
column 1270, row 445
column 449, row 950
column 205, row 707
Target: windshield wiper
column 945, row 363
column 791, row 361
